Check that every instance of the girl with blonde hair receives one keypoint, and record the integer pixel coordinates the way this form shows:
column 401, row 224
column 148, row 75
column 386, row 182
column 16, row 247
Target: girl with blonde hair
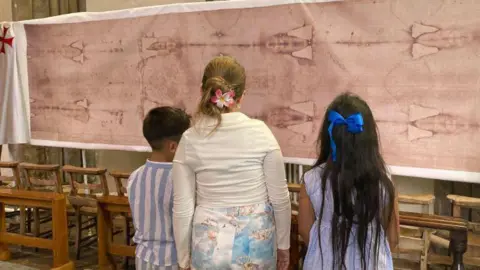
column 231, row 202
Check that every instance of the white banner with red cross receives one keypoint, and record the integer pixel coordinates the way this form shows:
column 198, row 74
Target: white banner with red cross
column 14, row 107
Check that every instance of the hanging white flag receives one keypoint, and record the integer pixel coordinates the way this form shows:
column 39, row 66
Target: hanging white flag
column 14, row 118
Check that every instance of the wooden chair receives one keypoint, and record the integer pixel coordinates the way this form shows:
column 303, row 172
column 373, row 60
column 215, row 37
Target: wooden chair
column 10, row 181
column 45, row 184
column 119, row 177
column 126, row 217
column 14, row 182
column 472, row 256
column 297, row 245
column 457, row 233
column 83, row 198
column 414, row 242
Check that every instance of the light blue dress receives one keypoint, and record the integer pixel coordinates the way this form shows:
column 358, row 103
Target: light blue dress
column 313, row 259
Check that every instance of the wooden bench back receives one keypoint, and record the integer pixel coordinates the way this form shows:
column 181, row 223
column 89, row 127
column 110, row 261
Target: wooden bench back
column 52, row 183
column 98, row 187
column 58, row 244
column 119, row 177
column 8, row 181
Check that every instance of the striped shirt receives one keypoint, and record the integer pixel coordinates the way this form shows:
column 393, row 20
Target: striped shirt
column 150, row 192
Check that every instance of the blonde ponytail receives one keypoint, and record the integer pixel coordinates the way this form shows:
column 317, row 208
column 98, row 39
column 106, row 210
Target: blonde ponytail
column 222, row 73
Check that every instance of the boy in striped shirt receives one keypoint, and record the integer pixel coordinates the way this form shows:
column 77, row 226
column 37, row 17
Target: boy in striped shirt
column 150, row 190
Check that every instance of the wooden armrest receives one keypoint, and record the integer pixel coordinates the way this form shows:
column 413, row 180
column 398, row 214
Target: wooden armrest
column 432, row 221
column 294, row 188
column 85, row 171
column 113, row 200
column 416, row 199
column 120, row 174
column 40, row 167
column 27, row 194
column 8, row 164
column 464, row 201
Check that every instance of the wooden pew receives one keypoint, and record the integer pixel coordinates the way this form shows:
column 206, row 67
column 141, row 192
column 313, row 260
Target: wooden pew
column 414, row 242
column 107, row 206
column 457, row 227
column 472, row 256
column 59, row 243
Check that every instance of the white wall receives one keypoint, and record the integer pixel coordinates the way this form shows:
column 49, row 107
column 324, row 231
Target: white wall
column 5, row 10
column 413, row 186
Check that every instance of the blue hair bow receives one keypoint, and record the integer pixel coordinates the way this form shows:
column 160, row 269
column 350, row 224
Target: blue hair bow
column 354, row 125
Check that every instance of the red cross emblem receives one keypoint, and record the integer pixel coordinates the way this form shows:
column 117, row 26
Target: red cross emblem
column 4, row 40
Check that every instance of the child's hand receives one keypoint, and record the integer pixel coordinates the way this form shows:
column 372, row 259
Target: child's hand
column 283, row 259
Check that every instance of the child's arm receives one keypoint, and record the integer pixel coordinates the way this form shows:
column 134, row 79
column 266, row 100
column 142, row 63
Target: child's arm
column 393, row 233
column 183, row 205
column 279, row 196
column 306, row 215
column 277, row 189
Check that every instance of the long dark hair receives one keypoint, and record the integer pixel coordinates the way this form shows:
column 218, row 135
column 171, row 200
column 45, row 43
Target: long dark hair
column 362, row 192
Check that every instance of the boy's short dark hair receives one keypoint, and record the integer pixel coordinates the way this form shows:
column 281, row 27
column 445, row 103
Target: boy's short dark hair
column 163, row 123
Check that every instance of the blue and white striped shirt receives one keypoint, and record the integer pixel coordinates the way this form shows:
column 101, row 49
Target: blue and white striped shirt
column 150, row 193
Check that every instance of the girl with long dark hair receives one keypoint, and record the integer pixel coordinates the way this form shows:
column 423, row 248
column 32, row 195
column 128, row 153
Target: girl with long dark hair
column 348, row 208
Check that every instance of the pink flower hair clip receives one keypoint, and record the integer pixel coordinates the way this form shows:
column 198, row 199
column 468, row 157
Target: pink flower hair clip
column 223, row 99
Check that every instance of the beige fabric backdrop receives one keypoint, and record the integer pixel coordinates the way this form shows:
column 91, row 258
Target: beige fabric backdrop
column 415, row 62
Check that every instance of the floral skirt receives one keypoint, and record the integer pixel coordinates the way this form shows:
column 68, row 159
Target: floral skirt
column 234, row 238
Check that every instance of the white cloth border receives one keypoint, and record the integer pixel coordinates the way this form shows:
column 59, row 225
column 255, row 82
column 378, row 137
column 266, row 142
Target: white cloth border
column 447, row 175
column 166, row 9
column 436, row 174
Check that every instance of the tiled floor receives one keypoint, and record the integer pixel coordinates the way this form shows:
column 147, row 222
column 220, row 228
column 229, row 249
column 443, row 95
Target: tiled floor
column 13, row 266
column 42, row 259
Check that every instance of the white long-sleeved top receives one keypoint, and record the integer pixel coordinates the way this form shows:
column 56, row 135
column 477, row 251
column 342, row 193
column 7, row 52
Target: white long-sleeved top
column 238, row 164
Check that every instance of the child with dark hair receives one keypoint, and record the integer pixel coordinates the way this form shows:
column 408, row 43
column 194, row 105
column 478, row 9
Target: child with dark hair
column 150, row 190
column 348, row 209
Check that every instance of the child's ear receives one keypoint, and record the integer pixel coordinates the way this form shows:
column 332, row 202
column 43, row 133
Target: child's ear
column 172, row 147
